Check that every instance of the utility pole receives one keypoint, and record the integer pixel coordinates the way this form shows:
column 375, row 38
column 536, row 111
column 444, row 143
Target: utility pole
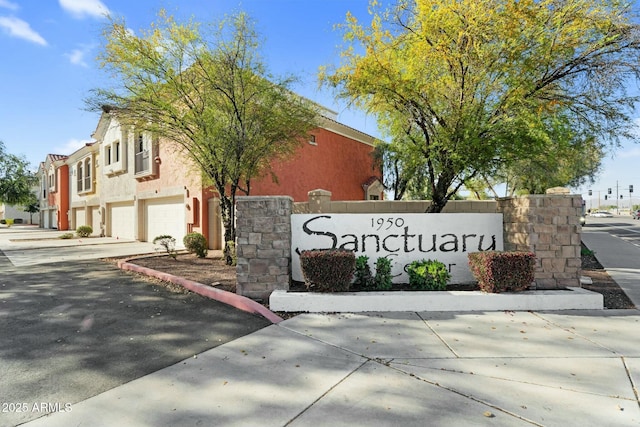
column 617, row 200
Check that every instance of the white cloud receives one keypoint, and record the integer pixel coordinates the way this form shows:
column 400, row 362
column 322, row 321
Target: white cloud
column 72, row 146
column 84, row 8
column 77, row 56
column 8, row 5
column 16, row 27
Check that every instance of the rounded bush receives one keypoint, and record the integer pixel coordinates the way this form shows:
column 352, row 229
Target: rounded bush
column 428, row 275
column 84, row 231
column 196, row 243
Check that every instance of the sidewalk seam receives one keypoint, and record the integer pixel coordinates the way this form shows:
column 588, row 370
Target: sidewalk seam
column 633, row 385
column 326, row 392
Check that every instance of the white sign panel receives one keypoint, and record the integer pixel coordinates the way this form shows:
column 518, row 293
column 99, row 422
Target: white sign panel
column 403, row 238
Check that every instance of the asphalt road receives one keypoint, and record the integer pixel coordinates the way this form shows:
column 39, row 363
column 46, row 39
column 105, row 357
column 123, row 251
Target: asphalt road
column 623, row 227
column 71, row 330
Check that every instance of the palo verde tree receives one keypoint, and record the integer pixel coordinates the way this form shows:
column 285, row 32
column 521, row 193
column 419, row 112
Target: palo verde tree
column 206, row 88
column 468, row 87
column 16, row 180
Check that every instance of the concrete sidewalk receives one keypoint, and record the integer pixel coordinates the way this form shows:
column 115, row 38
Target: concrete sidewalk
column 27, row 246
column 493, row 368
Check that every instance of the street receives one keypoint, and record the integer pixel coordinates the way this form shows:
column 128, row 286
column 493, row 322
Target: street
column 74, row 329
column 623, row 226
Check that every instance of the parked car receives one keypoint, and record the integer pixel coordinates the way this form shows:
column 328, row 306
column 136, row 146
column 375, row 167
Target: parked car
column 601, row 214
column 636, row 214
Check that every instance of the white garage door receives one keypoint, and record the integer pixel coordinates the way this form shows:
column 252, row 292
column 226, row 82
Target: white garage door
column 165, row 216
column 81, row 218
column 95, row 220
column 121, row 220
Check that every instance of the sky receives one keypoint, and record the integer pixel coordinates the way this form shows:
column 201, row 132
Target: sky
column 48, row 66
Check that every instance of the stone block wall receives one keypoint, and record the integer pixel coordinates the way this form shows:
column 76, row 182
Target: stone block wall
column 263, row 246
column 549, row 226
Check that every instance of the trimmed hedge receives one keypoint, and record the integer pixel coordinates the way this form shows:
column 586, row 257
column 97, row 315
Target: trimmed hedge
column 502, row 271
column 327, row 270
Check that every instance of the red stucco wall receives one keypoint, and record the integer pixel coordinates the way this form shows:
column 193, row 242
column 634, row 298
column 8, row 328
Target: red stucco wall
column 62, row 197
column 337, row 164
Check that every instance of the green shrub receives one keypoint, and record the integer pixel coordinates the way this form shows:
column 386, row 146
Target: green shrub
column 66, row 236
column 230, row 255
column 383, row 280
column 168, row 243
column 428, row 275
column 196, row 243
column 9, row 222
column 364, row 279
column 502, row 271
column 586, row 252
column 84, row 231
column 328, row 270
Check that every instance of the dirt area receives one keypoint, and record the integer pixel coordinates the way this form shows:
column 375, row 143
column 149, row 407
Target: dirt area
column 212, row 271
column 614, row 297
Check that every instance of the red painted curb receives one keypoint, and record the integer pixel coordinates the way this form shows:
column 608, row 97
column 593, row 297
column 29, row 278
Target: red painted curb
column 234, row 300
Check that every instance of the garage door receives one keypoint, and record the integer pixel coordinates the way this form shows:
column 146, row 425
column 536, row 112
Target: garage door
column 121, row 220
column 81, row 217
column 165, row 216
column 95, row 220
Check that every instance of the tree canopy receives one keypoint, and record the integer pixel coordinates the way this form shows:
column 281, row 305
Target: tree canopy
column 16, row 180
column 206, row 88
column 466, row 88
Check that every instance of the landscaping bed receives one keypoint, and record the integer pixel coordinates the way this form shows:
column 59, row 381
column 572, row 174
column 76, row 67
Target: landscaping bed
column 212, row 271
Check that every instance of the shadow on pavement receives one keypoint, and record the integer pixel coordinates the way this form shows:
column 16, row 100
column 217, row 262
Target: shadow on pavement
column 73, row 330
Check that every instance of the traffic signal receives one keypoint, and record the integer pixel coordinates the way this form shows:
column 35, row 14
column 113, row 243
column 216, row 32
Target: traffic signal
column 605, row 197
column 590, row 193
column 608, row 191
column 631, row 189
column 621, row 196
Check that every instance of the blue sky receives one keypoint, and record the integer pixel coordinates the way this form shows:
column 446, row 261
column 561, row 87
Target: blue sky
column 48, row 66
column 49, row 47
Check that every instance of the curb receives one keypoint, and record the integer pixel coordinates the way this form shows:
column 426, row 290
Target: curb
column 238, row 301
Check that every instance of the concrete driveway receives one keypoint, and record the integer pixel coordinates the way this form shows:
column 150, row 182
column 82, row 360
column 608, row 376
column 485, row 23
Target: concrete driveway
column 73, row 329
column 28, row 245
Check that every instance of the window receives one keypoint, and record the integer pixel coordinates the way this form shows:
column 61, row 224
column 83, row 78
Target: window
column 312, row 140
column 87, row 174
column 116, row 150
column 107, row 155
column 142, row 164
column 83, row 178
column 79, row 176
column 52, row 181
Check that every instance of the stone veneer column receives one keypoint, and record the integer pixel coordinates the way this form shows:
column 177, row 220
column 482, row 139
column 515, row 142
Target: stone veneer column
column 263, row 245
column 549, row 226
